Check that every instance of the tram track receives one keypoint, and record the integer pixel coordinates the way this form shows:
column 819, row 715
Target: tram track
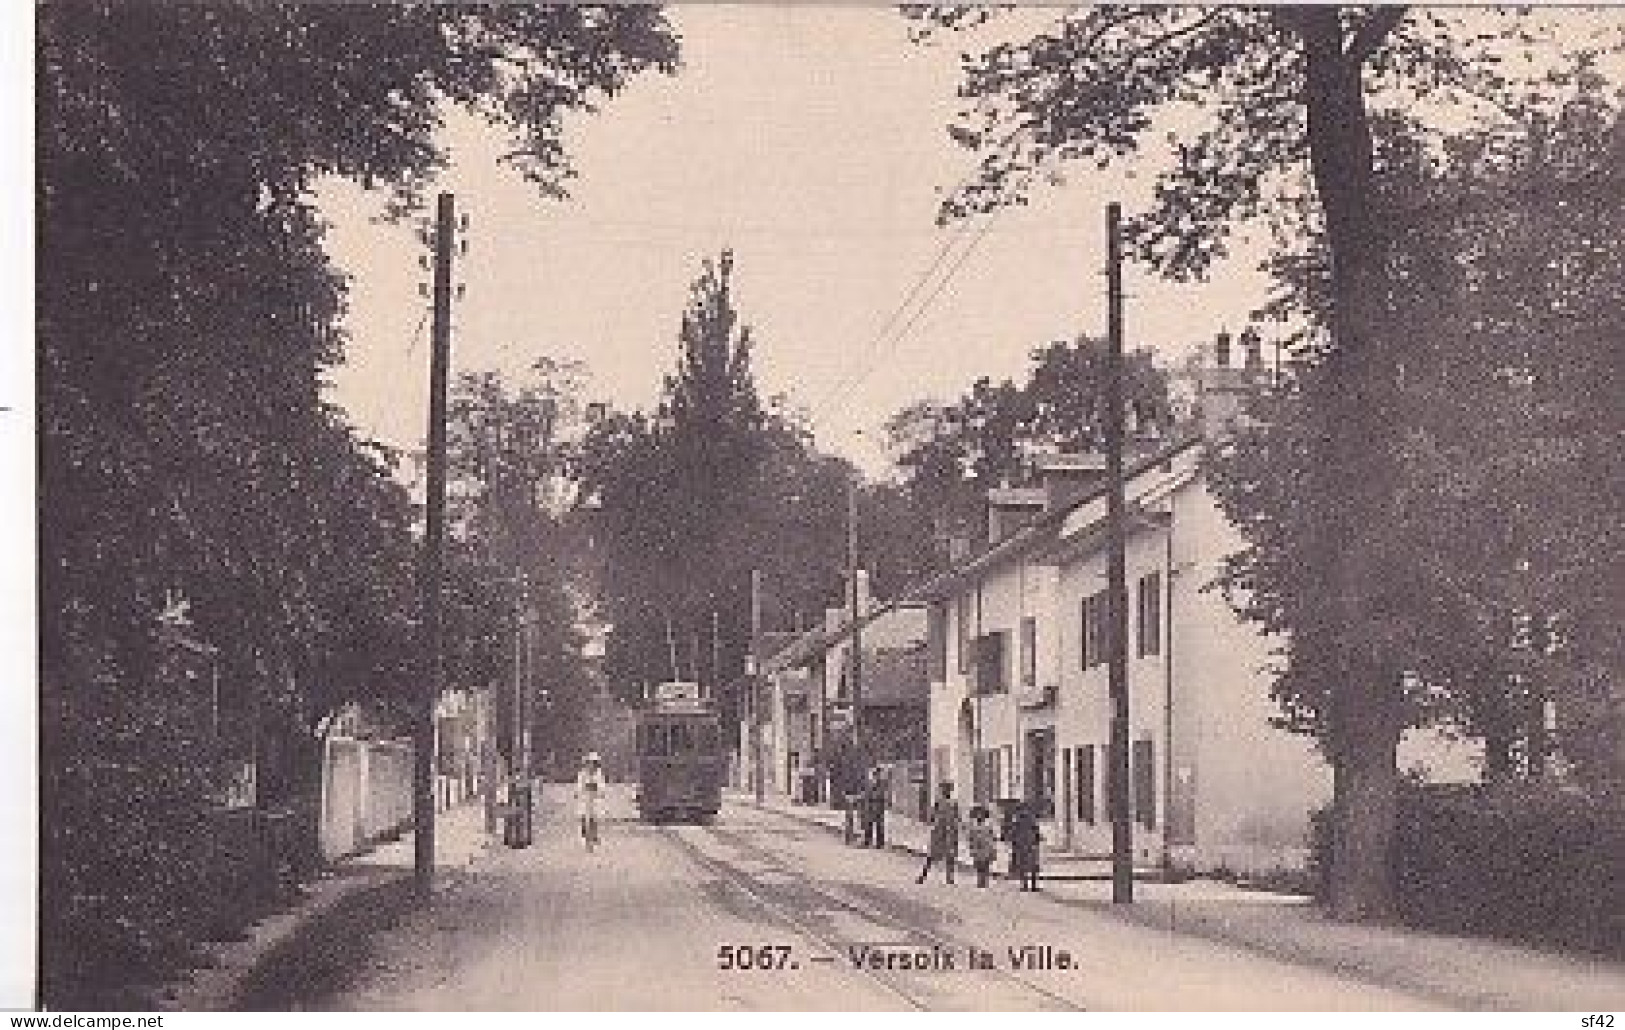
column 925, row 990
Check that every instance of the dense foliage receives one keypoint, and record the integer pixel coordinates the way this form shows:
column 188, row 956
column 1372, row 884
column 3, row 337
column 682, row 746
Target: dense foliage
column 685, row 503
column 1518, row 861
column 516, row 558
column 1276, row 106
column 669, row 492
column 186, row 311
column 952, row 454
column 1498, row 561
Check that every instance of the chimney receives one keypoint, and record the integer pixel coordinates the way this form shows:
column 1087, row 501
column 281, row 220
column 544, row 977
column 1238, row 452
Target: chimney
column 1222, row 390
column 1253, row 349
column 1009, row 508
column 1066, row 477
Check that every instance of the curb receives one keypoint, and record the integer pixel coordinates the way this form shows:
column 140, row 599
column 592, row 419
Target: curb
column 233, row 968
column 216, row 987
column 1140, row 875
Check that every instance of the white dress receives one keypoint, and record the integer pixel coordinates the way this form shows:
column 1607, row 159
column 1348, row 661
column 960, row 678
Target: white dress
column 589, row 791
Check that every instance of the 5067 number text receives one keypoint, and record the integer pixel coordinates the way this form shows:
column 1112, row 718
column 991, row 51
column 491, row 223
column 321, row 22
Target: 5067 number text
column 756, row 956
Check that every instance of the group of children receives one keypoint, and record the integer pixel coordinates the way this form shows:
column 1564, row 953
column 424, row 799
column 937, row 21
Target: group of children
column 981, row 840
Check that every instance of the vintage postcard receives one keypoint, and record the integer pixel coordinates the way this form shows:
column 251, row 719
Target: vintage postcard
column 823, row 507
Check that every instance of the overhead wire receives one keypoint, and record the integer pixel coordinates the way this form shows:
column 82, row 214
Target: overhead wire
column 823, row 413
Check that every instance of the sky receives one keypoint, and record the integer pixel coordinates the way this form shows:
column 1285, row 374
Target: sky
column 813, row 143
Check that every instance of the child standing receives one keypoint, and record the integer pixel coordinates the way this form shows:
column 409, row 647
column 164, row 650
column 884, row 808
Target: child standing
column 983, row 843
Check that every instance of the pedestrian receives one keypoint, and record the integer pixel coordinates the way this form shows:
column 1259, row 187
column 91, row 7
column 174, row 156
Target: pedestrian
column 589, row 794
column 944, row 846
column 874, row 810
column 1024, row 841
column 982, row 840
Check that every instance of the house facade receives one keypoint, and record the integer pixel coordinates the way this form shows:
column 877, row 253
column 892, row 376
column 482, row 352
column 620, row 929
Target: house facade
column 1020, row 706
column 807, row 698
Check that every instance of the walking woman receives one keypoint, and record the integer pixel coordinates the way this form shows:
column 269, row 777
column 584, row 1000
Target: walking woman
column 589, row 792
column 944, row 846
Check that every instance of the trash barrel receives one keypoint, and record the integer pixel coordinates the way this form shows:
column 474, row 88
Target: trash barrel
column 516, row 832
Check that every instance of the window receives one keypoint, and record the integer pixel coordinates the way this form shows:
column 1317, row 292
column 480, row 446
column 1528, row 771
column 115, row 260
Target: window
column 1086, row 631
column 1084, row 777
column 936, row 638
column 1029, row 651
column 992, row 663
column 1145, row 783
column 682, row 739
column 963, row 625
column 1039, row 782
column 986, row 775
column 708, row 738
column 1069, row 789
column 1148, row 616
column 654, row 740
column 1094, row 630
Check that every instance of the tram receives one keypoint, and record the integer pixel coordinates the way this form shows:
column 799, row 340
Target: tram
column 680, row 759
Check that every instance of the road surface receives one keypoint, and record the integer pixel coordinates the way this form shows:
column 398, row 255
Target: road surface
column 655, row 917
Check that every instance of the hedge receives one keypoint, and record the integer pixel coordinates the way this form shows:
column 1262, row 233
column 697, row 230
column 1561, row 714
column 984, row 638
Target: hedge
column 1526, row 863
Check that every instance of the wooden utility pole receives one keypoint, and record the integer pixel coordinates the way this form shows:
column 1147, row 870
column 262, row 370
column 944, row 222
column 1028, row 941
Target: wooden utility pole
column 753, row 677
column 856, row 616
column 434, row 544
column 1116, row 574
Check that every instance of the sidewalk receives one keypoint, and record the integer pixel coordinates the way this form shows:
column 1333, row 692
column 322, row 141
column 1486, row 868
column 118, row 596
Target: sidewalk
column 913, row 837
column 460, row 838
column 1464, row 973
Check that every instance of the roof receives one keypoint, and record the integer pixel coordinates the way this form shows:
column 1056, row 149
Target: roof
column 905, row 625
column 895, row 676
column 1042, row 532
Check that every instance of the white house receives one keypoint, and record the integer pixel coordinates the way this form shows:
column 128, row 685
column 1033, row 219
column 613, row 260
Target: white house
column 1019, row 698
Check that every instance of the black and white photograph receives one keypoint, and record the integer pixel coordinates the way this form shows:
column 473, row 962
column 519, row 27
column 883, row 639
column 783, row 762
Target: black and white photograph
column 823, row 507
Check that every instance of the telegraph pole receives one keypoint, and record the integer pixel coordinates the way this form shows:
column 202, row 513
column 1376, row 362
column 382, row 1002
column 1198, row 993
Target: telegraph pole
column 1116, row 575
column 434, row 543
column 753, row 676
column 856, row 615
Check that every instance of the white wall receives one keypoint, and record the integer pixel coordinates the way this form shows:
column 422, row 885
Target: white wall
column 1255, row 785
column 366, row 793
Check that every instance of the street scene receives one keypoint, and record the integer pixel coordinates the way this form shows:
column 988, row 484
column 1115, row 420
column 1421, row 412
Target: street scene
column 630, row 926
column 798, row 508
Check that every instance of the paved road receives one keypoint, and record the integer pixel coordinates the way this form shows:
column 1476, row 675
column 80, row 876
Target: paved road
column 638, row 925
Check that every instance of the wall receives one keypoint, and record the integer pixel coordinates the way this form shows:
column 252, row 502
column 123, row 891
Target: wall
column 1254, row 785
column 1084, row 718
column 366, row 793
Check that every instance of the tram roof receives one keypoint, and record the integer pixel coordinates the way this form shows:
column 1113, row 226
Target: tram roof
column 681, row 706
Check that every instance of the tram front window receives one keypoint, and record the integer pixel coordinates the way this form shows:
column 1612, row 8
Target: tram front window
column 682, row 739
column 656, row 740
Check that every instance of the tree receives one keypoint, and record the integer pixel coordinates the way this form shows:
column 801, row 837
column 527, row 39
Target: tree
column 1284, row 94
column 1513, row 272
column 1498, row 557
column 952, row 454
column 672, row 491
column 185, row 316
column 509, row 475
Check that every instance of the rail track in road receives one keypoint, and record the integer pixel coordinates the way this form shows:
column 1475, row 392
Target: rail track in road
column 789, row 897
